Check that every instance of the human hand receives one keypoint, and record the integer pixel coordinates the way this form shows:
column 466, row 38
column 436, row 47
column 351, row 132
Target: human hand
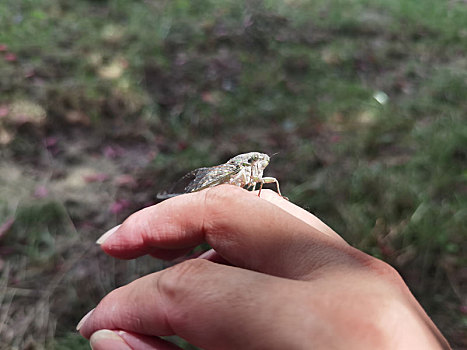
column 278, row 278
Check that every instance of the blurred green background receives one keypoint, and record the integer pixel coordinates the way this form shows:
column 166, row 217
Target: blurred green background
column 104, row 103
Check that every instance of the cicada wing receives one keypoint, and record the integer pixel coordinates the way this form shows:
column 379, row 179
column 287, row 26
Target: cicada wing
column 180, row 187
column 200, row 179
column 213, row 176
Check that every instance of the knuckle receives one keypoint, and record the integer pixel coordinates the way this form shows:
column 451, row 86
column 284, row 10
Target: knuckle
column 382, row 270
column 182, row 288
column 217, row 201
column 174, row 282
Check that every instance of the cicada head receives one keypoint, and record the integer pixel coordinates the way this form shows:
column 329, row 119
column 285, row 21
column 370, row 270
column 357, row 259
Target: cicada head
column 262, row 162
column 253, row 159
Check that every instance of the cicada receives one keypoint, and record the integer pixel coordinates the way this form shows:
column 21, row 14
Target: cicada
column 244, row 170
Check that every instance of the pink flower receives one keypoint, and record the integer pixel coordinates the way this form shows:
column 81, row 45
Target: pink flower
column 10, row 57
column 51, row 141
column 119, row 206
column 113, row 151
column 4, row 111
column 463, row 309
column 125, row 180
column 41, row 192
column 98, row 177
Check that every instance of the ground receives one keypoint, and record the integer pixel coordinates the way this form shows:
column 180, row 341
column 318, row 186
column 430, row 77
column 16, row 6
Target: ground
column 105, row 103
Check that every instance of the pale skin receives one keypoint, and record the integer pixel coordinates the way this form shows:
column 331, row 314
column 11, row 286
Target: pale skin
column 277, row 278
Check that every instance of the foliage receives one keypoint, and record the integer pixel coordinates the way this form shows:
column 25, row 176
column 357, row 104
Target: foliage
column 104, row 103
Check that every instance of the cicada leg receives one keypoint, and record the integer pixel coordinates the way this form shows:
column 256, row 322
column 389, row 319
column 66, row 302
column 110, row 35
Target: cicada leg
column 270, row 180
column 260, row 188
column 251, row 186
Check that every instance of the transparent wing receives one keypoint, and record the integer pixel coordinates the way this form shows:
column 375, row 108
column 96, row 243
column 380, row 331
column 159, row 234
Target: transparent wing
column 200, row 179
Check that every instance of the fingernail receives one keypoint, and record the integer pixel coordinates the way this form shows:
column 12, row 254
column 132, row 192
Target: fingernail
column 80, row 323
column 207, row 254
column 107, row 234
column 107, row 339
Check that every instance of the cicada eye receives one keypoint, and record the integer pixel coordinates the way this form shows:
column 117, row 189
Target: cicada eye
column 253, row 159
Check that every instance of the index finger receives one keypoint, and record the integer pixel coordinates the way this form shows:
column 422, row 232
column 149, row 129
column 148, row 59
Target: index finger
column 245, row 230
column 298, row 212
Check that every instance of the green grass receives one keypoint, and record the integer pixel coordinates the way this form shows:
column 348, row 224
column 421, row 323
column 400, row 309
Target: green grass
column 174, row 85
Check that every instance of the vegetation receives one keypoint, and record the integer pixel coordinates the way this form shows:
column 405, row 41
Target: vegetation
column 104, row 103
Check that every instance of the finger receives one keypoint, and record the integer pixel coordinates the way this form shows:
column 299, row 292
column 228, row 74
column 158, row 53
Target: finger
column 106, row 339
column 213, row 256
column 245, row 230
column 180, row 300
column 142, row 342
column 298, row 212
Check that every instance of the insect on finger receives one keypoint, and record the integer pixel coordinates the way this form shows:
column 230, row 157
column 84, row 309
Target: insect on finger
column 244, row 170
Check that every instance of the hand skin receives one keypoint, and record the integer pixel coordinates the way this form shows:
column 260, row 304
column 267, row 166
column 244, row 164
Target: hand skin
column 277, row 278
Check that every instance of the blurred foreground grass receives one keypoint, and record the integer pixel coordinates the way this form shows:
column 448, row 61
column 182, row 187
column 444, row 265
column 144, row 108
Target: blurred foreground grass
column 104, row 103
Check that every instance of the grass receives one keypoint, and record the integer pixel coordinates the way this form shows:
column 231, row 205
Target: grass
column 104, row 103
